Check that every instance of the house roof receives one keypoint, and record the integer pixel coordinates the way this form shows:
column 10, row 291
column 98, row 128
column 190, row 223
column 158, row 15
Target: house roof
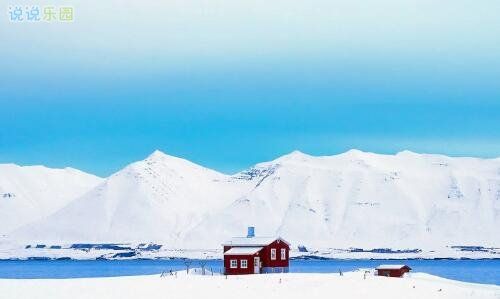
column 243, row 250
column 391, row 267
column 253, row 241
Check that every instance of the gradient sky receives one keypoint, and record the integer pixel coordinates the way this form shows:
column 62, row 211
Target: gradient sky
column 230, row 83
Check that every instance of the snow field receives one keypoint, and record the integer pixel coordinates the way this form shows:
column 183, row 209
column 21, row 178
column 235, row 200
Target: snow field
column 290, row 285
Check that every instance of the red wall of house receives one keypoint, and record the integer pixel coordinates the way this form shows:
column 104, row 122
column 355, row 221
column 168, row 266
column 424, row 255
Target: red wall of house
column 265, row 255
column 393, row 272
column 239, row 270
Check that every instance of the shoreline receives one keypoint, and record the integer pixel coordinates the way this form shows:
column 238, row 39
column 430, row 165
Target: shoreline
column 153, row 251
column 308, row 258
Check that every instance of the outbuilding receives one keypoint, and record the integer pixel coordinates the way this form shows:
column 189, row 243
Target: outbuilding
column 392, row 270
column 253, row 255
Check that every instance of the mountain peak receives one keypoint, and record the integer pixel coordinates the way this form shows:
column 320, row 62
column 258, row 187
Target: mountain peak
column 157, row 154
column 407, row 153
column 354, row 152
column 160, row 158
column 164, row 161
column 296, row 155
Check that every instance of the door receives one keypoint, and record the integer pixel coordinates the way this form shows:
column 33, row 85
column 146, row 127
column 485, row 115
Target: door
column 256, row 265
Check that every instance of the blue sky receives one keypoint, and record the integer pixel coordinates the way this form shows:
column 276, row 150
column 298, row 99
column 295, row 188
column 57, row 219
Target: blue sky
column 230, row 84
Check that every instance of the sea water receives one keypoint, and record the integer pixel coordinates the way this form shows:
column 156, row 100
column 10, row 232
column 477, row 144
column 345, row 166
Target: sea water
column 477, row 271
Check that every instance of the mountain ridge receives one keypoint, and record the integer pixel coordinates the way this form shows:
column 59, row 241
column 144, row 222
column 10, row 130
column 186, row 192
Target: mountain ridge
column 351, row 199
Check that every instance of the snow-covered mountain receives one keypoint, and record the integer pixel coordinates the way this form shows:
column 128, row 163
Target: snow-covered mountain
column 29, row 193
column 355, row 199
column 366, row 200
column 157, row 199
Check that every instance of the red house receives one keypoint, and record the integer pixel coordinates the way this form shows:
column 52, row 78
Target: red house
column 392, row 270
column 252, row 255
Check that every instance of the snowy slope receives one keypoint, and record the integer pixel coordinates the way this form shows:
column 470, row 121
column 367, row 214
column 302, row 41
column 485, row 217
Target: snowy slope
column 30, row 193
column 366, row 200
column 157, row 199
column 355, row 199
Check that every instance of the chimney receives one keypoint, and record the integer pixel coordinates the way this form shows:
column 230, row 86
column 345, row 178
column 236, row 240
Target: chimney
column 251, row 232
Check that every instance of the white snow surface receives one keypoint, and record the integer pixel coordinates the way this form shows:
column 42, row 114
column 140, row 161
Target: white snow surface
column 389, row 267
column 250, row 241
column 243, row 250
column 289, row 285
column 30, row 193
column 355, row 199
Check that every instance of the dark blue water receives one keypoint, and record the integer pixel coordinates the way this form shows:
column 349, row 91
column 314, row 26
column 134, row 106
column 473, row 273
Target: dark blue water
column 478, row 271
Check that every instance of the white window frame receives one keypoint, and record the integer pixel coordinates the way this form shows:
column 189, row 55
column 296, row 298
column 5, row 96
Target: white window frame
column 273, row 254
column 243, row 264
column 283, row 254
column 233, row 264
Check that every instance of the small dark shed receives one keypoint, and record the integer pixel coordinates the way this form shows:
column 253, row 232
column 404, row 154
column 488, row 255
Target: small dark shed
column 392, row 270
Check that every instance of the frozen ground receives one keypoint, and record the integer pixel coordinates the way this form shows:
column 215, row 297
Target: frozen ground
column 291, row 285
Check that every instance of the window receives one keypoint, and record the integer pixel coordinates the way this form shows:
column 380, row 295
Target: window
column 244, row 264
column 273, row 253
column 234, row 264
column 283, row 254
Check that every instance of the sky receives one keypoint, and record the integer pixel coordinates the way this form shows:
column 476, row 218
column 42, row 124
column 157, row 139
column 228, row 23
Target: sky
column 228, row 84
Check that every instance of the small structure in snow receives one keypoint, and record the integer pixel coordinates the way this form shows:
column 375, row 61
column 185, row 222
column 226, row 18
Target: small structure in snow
column 253, row 255
column 392, row 270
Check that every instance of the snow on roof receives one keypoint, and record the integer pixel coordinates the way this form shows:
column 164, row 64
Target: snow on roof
column 253, row 241
column 388, row 267
column 243, row 250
